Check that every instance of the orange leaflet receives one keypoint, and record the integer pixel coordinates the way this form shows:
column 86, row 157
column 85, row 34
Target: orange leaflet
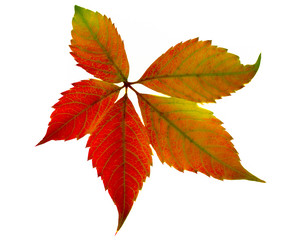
column 119, row 149
column 188, row 137
column 196, row 71
column 184, row 135
column 80, row 109
column 97, row 46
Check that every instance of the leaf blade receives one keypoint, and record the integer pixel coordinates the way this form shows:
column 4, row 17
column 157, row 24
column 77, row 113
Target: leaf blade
column 197, row 71
column 119, row 149
column 80, row 109
column 188, row 137
column 97, row 46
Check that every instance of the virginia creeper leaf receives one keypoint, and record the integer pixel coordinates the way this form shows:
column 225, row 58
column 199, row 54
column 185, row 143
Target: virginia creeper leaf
column 80, row 109
column 188, row 137
column 119, row 149
column 197, row 71
column 184, row 135
column 97, row 46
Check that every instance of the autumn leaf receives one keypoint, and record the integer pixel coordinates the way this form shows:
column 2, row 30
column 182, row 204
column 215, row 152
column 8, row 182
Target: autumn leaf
column 97, row 46
column 184, row 135
column 196, row 71
column 188, row 137
column 80, row 109
column 119, row 149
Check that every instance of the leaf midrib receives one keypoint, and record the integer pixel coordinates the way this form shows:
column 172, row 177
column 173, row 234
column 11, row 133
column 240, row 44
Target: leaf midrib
column 123, row 127
column 193, row 75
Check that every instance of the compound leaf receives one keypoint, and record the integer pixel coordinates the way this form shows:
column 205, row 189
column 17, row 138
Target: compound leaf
column 184, row 135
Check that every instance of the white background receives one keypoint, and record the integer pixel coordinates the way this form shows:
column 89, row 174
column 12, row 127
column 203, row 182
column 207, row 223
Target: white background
column 52, row 192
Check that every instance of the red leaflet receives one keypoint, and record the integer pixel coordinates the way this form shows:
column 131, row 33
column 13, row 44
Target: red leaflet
column 119, row 149
column 183, row 135
column 80, row 109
